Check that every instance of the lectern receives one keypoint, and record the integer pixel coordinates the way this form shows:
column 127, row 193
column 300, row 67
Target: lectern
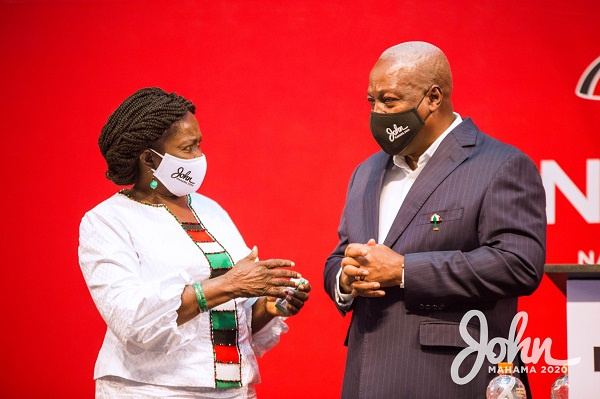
column 581, row 284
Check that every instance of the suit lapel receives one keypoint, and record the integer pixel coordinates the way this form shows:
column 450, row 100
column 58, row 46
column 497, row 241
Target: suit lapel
column 371, row 197
column 446, row 158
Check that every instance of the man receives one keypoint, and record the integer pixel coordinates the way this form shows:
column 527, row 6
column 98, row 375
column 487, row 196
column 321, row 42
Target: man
column 445, row 220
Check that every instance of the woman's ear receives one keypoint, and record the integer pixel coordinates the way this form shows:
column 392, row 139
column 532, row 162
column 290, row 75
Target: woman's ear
column 147, row 158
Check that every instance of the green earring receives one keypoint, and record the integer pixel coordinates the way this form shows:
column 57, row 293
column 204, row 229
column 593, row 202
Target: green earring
column 153, row 184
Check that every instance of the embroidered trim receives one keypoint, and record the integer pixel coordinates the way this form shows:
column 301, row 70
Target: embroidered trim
column 122, row 192
column 223, row 319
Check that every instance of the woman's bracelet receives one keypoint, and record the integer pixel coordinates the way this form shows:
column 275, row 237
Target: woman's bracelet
column 200, row 297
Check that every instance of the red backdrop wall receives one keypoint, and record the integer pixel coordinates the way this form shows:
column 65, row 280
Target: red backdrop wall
column 281, row 94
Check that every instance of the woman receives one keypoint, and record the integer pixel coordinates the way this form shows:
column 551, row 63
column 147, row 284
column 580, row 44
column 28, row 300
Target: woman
column 187, row 305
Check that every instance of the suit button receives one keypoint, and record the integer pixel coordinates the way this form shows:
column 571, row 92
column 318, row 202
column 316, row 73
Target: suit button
column 421, row 306
column 427, row 307
column 435, row 307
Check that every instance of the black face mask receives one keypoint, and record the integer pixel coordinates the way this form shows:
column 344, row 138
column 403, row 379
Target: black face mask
column 394, row 132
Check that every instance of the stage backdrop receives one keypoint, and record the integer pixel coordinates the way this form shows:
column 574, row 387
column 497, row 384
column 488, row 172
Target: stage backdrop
column 281, row 94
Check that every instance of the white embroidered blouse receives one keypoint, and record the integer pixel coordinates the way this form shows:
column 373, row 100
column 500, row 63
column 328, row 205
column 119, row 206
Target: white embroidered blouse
column 136, row 260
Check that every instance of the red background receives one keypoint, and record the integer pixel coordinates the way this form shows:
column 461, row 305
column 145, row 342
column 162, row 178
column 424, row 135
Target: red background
column 281, row 94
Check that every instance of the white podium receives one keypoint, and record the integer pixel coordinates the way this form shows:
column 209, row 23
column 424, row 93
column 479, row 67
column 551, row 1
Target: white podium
column 582, row 286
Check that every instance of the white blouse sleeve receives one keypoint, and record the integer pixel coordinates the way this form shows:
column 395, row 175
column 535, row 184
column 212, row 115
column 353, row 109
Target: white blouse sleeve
column 268, row 336
column 142, row 314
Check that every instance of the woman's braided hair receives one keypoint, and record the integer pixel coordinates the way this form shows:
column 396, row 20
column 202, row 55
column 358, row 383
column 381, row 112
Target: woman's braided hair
column 139, row 121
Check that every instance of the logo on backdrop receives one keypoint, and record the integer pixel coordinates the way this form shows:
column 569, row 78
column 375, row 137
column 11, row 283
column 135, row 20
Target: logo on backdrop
column 397, row 132
column 508, row 347
column 589, row 81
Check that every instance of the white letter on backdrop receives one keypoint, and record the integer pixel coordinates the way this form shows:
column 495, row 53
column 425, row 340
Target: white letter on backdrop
column 553, row 178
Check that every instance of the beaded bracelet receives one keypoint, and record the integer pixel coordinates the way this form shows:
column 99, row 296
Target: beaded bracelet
column 200, row 297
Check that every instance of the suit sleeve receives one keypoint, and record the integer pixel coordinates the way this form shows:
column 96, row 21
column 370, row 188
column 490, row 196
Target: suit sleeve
column 509, row 261
column 334, row 261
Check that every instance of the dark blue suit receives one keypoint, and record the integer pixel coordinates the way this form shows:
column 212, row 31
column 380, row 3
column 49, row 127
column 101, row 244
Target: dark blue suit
column 489, row 249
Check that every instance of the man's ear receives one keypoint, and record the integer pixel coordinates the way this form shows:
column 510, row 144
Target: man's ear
column 436, row 97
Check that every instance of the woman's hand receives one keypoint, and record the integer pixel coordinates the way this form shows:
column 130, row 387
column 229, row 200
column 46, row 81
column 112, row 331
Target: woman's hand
column 264, row 308
column 247, row 279
column 250, row 278
column 295, row 301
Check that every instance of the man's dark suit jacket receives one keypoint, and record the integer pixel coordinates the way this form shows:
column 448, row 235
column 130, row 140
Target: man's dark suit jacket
column 489, row 249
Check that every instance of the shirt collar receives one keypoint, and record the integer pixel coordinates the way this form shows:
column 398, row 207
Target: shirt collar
column 401, row 162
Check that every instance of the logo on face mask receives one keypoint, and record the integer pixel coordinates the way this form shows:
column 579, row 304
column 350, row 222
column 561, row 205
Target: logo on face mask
column 397, row 132
column 406, row 125
column 180, row 176
column 184, row 178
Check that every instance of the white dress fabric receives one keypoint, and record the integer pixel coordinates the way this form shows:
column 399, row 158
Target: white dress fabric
column 136, row 260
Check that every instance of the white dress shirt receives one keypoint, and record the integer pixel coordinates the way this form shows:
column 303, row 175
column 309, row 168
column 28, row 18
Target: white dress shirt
column 397, row 182
column 136, row 260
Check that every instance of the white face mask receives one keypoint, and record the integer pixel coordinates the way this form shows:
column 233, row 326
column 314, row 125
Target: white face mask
column 180, row 176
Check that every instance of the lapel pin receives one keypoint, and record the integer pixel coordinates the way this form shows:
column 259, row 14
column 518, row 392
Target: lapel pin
column 435, row 219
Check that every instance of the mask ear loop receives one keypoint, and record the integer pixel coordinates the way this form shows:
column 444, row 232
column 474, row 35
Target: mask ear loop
column 154, row 183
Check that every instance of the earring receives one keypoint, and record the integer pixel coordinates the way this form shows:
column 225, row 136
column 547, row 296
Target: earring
column 153, row 184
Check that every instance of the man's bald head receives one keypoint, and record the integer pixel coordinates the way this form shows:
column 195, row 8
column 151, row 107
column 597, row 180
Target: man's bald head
column 413, row 76
column 423, row 63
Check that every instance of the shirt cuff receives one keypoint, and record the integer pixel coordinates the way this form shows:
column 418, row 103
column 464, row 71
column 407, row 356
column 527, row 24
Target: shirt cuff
column 343, row 300
column 268, row 336
column 154, row 316
column 402, row 283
